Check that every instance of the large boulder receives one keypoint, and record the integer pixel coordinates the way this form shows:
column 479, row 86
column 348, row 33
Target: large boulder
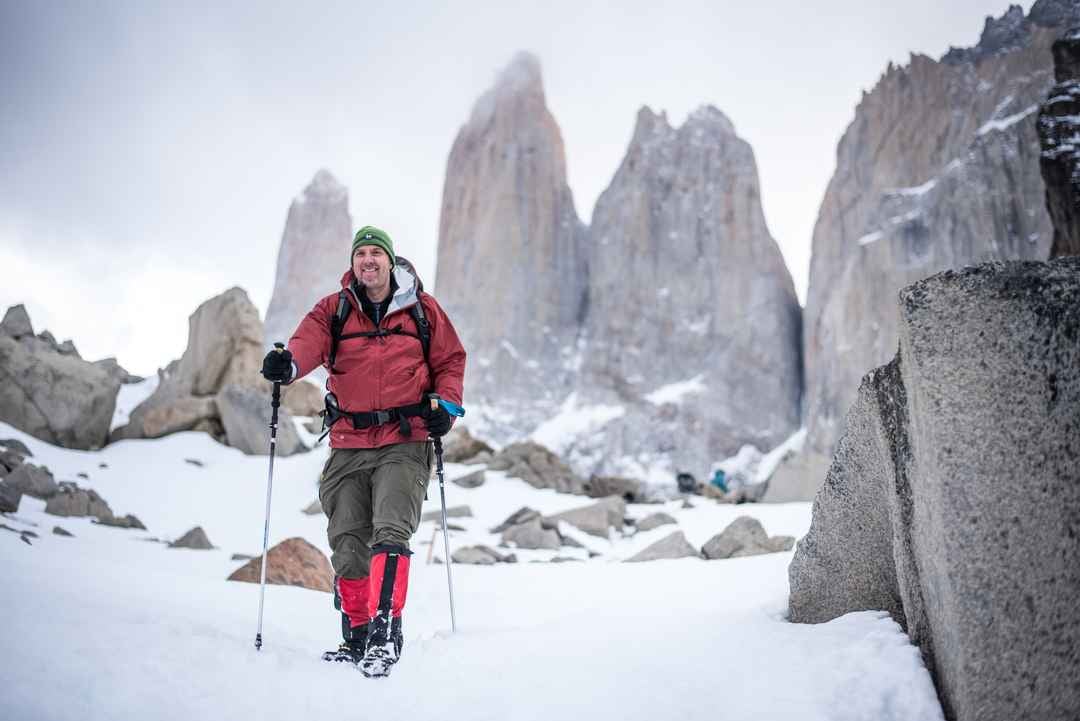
column 293, row 562
column 314, row 252
column 9, row 497
column 1059, row 128
column 245, row 415
column 216, row 387
column 938, row 169
column 674, row 545
column 195, row 539
column 954, row 493
column 459, row 446
column 537, row 466
column 654, row 520
column 52, row 395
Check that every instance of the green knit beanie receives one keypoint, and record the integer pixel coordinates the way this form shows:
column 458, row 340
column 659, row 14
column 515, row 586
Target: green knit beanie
column 370, row 235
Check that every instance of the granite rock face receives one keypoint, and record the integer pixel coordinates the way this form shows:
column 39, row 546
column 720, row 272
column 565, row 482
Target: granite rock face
column 216, row 385
column 914, row 518
column 1059, row 133
column 509, row 238
column 48, row 391
column 938, row 169
column 687, row 287
column 314, row 250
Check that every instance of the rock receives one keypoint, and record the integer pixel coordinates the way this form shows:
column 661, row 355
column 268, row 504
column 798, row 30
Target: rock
column 195, row 462
column 531, row 535
column 303, row 399
column 241, row 557
column 654, row 520
column 597, row 519
column 33, row 480
column 58, row 531
column 313, row 509
column 470, row 480
column 564, row 559
column 245, row 414
column 196, row 539
column 537, row 466
column 16, row 323
column 674, row 545
column 459, row 446
column 12, row 444
column 777, row 544
column 56, row 397
column 293, row 562
column 1059, row 161
column 225, row 349
column 117, row 372
column 9, row 497
column 604, row 486
column 710, row 359
column 898, row 209
column 686, row 504
column 70, row 500
column 744, row 536
column 797, row 478
column 128, row 521
column 9, row 461
column 475, row 555
column 313, row 254
column 452, row 512
column 83, row 475
column 506, row 200
column 518, row 517
column 913, row 517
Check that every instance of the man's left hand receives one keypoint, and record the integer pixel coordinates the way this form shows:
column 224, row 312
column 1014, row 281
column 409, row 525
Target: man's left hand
column 438, row 422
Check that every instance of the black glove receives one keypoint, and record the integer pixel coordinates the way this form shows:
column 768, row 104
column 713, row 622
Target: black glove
column 437, row 421
column 277, row 366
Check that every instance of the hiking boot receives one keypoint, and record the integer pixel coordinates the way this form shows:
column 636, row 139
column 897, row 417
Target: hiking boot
column 348, row 652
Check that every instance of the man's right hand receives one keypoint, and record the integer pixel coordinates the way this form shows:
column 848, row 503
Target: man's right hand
column 277, row 365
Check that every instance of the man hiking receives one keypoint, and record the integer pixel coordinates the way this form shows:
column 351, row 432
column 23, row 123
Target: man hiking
column 391, row 352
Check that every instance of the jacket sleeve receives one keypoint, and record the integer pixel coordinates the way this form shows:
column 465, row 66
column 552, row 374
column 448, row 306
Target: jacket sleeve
column 446, row 356
column 310, row 344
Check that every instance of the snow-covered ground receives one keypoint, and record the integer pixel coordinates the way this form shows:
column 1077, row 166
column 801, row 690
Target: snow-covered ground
column 106, row 625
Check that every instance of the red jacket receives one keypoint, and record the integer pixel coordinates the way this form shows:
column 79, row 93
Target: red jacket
column 383, row 372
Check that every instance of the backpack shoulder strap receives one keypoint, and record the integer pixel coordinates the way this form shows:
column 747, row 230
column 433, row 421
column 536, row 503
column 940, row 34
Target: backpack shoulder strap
column 423, row 328
column 337, row 323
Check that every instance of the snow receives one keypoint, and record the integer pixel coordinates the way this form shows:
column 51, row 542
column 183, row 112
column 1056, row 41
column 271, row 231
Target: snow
column 914, row 191
column 675, row 392
column 1006, row 122
column 110, row 626
column 573, row 421
column 131, row 395
column 871, row 238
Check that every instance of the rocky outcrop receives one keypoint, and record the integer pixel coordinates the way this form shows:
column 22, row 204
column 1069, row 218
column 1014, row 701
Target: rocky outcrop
column 481, row 556
column 70, row 500
column 48, row 391
column 293, row 562
column 954, row 496
column 537, row 466
column 598, row 519
column 693, row 325
column 314, row 252
column 33, row 480
column 509, row 236
column 938, row 169
column 216, row 385
column 459, row 446
column 195, row 539
column 1059, row 134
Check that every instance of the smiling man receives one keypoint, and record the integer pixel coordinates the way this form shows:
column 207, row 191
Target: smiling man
column 389, row 349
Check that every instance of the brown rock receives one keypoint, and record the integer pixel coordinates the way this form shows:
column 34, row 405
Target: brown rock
column 293, row 562
column 195, row 539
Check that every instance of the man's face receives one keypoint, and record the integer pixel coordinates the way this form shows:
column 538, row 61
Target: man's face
column 371, row 266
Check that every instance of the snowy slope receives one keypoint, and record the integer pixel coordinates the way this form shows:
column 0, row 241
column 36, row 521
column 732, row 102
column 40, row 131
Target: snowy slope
column 109, row 626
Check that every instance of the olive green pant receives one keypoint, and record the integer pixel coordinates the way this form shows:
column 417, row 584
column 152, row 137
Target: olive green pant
column 372, row 496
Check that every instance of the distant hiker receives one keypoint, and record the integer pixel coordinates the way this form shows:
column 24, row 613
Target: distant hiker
column 686, row 482
column 719, row 480
column 388, row 347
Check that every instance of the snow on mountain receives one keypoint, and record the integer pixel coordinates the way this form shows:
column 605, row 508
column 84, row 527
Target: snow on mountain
column 107, row 625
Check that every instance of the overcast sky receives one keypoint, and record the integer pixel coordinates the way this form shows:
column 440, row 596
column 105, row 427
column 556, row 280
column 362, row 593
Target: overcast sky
column 149, row 154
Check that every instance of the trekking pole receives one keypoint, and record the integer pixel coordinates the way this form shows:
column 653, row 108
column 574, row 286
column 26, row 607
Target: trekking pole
column 274, row 403
column 445, row 533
